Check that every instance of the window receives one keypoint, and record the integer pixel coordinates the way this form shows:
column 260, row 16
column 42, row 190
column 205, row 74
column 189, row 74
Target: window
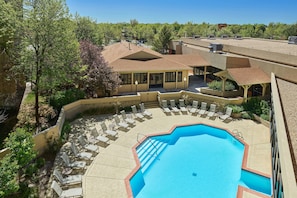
column 126, row 79
column 170, row 76
column 141, row 78
column 179, row 76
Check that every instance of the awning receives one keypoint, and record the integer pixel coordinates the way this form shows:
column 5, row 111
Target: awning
column 245, row 76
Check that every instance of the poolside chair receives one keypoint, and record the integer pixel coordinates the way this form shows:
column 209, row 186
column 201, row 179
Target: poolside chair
column 194, row 107
column 69, row 180
column 145, row 112
column 227, row 115
column 203, row 108
column 85, row 144
column 173, row 106
column 99, row 137
column 136, row 114
column 165, row 107
column 75, row 164
column 82, row 155
column 71, row 192
column 127, row 119
column 120, row 123
column 182, row 105
column 108, row 131
column 212, row 110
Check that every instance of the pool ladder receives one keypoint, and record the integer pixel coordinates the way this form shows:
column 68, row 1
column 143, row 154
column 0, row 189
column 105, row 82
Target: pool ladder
column 150, row 141
column 238, row 134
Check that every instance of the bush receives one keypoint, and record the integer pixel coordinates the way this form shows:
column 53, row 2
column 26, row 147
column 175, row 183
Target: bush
column 61, row 98
column 217, row 85
column 246, row 115
column 253, row 105
column 236, row 108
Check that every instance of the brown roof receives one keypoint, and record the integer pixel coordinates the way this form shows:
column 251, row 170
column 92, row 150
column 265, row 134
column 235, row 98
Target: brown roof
column 125, row 57
column 126, row 65
column 245, row 76
column 124, row 49
column 248, row 76
column 188, row 59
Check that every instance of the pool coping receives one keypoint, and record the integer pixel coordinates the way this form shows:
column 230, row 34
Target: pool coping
column 240, row 190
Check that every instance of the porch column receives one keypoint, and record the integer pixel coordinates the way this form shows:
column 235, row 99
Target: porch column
column 205, row 69
column 264, row 85
column 224, row 83
column 245, row 88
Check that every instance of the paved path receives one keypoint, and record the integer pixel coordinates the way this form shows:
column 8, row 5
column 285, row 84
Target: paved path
column 106, row 174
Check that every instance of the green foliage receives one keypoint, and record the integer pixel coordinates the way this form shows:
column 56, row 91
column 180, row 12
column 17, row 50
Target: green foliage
column 65, row 131
column 61, row 98
column 258, row 107
column 18, row 161
column 21, row 144
column 8, row 25
column 8, row 176
column 217, row 85
column 247, row 115
column 162, row 39
column 236, row 108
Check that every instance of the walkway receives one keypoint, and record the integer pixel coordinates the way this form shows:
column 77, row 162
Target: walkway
column 105, row 176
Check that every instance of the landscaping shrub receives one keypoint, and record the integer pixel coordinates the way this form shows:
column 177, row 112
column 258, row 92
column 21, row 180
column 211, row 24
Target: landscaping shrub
column 258, row 107
column 217, row 85
column 61, row 98
column 236, row 108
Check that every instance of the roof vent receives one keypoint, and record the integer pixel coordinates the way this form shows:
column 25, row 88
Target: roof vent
column 292, row 40
column 215, row 48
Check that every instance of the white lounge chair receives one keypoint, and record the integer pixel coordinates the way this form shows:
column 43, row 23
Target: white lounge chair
column 85, row 144
column 75, row 164
column 108, row 131
column 194, row 107
column 136, row 114
column 69, row 180
column 173, row 106
column 99, row 137
column 203, row 108
column 212, row 110
column 82, row 155
column 127, row 119
column 165, row 107
column 71, row 192
column 144, row 111
column 182, row 105
column 227, row 115
column 120, row 123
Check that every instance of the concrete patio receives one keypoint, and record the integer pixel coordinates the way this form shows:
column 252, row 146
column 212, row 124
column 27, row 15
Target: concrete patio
column 105, row 177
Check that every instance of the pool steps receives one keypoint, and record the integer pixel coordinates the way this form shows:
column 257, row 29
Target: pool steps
column 148, row 152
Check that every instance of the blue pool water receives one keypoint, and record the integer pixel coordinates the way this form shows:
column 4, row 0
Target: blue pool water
column 193, row 161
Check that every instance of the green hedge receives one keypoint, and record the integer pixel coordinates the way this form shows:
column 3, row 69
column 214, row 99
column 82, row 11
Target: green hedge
column 61, row 98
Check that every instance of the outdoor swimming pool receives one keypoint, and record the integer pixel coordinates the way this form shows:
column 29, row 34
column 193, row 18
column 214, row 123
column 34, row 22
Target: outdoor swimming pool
column 193, row 161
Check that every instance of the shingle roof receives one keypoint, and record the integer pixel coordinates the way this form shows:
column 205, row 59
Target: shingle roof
column 245, row 76
column 248, row 76
column 188, row 59
column 125, row 57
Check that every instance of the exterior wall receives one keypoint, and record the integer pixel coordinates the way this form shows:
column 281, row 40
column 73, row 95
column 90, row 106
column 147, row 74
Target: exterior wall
column 44, row 139
column 283, row 177
column 227, row 94
column 166, row 85
column 280, row 70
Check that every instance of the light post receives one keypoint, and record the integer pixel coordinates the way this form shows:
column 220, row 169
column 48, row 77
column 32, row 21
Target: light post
column 136, row 83
column 185, row 80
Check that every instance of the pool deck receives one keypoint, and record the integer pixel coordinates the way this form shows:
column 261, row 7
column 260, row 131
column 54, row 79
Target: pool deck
column 105, row 177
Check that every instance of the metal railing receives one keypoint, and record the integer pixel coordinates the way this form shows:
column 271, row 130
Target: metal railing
column 150, row 141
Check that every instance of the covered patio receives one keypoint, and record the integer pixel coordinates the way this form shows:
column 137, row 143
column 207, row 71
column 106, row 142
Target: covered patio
column 245, row 78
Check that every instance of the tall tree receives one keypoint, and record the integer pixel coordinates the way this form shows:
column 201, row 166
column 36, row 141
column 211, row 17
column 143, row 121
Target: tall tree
column 162, row 39
column 98, row 76
column 50, row 50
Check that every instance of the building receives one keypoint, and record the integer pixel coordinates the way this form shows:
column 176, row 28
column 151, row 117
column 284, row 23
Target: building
column 142, row 69
column 254, row 63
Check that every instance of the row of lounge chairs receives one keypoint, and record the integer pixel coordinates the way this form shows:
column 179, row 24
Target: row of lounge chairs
column 84, row 149
column 203, row 110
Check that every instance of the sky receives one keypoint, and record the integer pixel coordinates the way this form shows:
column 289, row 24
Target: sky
column 183, row 11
